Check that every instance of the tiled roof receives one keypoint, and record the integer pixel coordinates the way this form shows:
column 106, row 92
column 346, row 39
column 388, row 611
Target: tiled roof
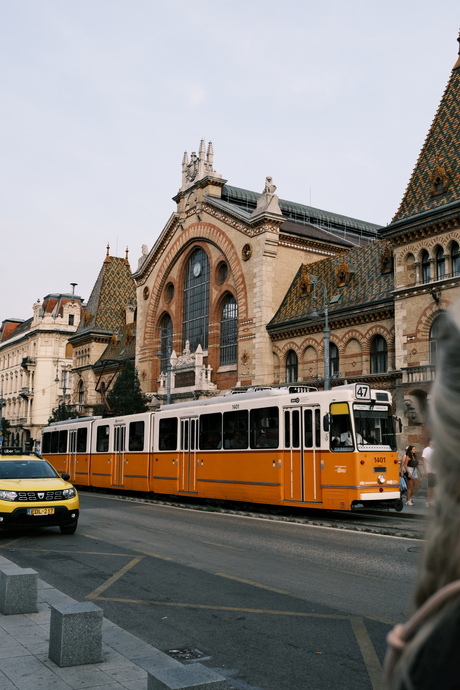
column 121, row 347
column 12, row 329
column 113, row 290
column 435, row 181
column 365, row 285
column 246, row 202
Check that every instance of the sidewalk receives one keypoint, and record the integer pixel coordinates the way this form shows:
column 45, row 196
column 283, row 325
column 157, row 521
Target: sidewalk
column 24, row 662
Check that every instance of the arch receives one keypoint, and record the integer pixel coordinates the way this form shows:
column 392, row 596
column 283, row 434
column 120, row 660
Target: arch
column 455, row 258
column 353, row 357
column 434, row 337
column 310, row 362
column 334, row 359
column 165, row 326
column 425, row 264
column 196, row 234
column 196, row 297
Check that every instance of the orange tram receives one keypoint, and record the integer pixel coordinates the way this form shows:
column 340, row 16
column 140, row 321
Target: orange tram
column 292, row 446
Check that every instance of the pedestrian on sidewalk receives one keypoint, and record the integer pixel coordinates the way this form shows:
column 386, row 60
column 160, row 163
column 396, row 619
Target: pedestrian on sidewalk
column 427, row 457
column 411, row 473
column 424, row 652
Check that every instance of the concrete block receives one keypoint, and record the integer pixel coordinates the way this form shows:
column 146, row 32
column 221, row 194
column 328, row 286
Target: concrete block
column 189, row 677
column 18, row 590
column 75, row 634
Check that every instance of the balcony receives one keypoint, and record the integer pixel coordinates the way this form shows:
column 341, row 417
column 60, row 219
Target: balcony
column 420, row 374
column 25, row 393
column 27, row 362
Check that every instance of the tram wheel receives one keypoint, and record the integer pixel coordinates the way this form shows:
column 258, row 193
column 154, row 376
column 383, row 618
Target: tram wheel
column 398, row 505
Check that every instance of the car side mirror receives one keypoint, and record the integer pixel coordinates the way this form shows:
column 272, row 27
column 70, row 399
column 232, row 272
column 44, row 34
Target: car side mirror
column 65, row 476
column 326, row 422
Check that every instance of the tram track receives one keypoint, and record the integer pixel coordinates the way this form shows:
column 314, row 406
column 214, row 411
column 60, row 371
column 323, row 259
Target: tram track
column 404, row 525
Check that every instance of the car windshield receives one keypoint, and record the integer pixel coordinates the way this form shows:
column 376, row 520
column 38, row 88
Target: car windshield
column 26, row 469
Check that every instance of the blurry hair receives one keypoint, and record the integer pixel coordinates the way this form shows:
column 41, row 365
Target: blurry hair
column 441, row 556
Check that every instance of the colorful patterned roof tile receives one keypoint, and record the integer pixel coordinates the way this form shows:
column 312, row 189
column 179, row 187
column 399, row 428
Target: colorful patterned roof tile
column 358, row 278
column 435, row 181
column 113, row 290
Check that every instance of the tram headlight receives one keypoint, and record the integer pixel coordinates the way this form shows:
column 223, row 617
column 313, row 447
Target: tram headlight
column 381, row 479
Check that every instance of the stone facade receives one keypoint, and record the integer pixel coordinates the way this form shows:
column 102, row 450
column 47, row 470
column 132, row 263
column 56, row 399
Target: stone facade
column 36, row 363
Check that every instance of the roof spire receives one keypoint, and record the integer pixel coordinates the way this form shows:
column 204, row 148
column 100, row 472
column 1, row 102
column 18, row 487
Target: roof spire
column 457, row 64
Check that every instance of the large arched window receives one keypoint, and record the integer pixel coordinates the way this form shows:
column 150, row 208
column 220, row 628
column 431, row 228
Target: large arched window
column 426, row 267
column 292, row 367
column 333, row 359
column 379, row 355
column 455, row 255
column 229, row 331
column 166, row 331
column 434, row 337
column 196, row 301
column 440, row 263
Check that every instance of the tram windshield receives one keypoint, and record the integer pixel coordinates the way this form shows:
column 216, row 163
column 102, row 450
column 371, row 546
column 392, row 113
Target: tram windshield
column 374, row 427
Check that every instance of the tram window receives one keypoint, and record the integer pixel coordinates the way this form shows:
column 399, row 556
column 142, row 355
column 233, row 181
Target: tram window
column 264, row 424
column 62, row 443
column 82, row 436
column 46, row 444
column 168, row 434
column 341, row 429
column 236, row 429
column 308, row 428
column 102, row 439
column 287, row 429
column 54, row 442
column 317, row 428
column 211, row 431
column 136, row 436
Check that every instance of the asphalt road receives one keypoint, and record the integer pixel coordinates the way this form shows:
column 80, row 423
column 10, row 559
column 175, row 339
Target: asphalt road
column 270, row 605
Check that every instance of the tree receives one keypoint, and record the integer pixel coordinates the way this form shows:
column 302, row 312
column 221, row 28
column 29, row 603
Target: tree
column 126, row 396
column 63, row 412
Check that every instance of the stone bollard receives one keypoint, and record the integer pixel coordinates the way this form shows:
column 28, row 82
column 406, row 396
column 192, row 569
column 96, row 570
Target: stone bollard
column 190, row 677
column 18, row 590
column 75, row 634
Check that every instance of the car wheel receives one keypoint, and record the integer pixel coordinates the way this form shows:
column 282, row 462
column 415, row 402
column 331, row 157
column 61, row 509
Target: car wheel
column 68, row 529
column 398, row 505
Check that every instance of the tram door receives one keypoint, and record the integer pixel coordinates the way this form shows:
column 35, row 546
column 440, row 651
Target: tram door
column 118, row 460
column 302, row 439
column 188, row 447
column 72, row 455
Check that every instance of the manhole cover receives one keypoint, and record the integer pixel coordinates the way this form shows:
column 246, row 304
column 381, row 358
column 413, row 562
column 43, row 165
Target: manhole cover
column 185, row 654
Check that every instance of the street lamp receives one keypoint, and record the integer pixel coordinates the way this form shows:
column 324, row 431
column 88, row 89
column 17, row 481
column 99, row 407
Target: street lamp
column 326, row 332
column 64, row 385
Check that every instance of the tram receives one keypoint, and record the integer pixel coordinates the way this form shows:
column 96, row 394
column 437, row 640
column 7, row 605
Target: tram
column 291, row 446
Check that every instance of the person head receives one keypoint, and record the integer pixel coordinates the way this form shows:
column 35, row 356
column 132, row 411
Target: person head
column 410, row 450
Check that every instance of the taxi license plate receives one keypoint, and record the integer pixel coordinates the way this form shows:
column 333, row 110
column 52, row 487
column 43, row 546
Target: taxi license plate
column 40, row 511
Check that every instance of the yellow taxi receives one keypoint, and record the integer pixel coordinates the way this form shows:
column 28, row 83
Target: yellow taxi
column 33, row 494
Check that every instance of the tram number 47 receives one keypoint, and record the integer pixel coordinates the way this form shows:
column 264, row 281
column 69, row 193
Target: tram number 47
column 362, row 391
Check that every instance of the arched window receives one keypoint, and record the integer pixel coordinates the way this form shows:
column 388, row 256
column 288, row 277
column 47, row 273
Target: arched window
column 292, row 367
column 229, row 331
column 455, row 254
column 196, row 301
column 333, row 359
column 440, row 263
column 81, row 393
column 379, row 355
column 426, row 267
column 434, row 337
column 166, row 331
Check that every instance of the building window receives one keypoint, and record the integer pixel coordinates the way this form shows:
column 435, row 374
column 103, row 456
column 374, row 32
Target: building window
column 81, row 393
column 196, row 301
column 426, row 267
column 440, row 264
column 166, row 332
column 455, row 254
column 229, row 331
column 71, row 319
column 292, row 367
column 333, row 359
column 379, row 355
column 434, row 337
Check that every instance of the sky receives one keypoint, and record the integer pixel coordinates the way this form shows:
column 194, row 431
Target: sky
column 99, row 100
